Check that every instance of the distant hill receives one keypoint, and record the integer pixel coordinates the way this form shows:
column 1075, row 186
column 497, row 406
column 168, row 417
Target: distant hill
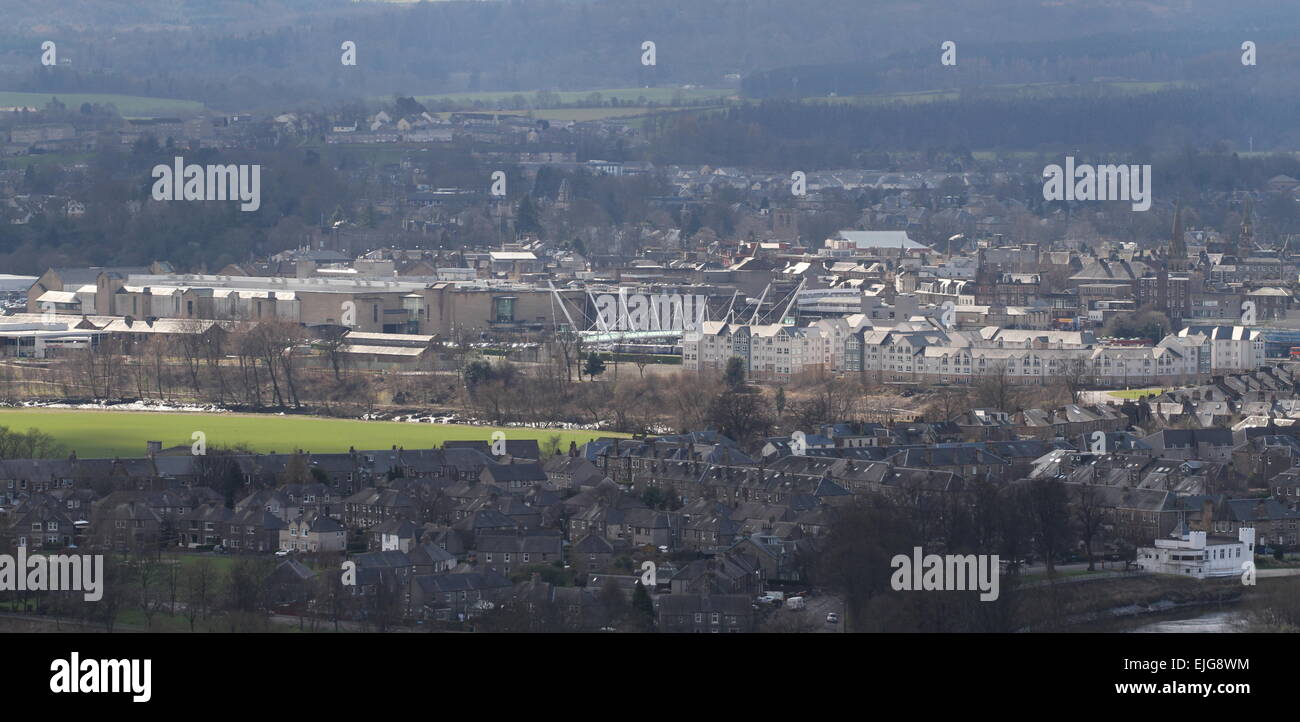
column 275, row 52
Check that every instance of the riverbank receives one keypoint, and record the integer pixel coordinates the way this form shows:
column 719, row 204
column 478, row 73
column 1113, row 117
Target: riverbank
column 1100, row 604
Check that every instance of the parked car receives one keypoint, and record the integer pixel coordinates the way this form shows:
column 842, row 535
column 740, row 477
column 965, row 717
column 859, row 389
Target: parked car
column 832, row 618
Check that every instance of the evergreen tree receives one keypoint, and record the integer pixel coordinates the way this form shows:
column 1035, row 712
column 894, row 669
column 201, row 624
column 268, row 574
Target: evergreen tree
column 734, row 376
column 643, row 609
column 595, row 366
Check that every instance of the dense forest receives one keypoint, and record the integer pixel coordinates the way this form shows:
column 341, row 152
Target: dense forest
column 795, row 134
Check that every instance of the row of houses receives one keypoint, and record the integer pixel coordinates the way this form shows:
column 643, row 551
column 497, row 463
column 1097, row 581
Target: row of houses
column 921, row 351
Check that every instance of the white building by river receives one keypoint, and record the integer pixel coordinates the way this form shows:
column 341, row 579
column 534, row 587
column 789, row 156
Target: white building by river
column 1196, row 554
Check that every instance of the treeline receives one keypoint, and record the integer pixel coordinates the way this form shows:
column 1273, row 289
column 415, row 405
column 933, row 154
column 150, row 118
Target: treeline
column 1001, row 68
column 781, row 134
column 272, row 51
column 30, row 444
column 122, row 225
column 269, row 365
column 149, row 590
column 1039, row 522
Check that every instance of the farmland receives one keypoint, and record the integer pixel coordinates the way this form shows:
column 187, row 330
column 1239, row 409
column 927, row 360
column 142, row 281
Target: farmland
column 661, row 96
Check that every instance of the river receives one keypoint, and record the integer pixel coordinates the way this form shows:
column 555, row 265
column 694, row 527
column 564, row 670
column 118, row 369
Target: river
column 1217, row 621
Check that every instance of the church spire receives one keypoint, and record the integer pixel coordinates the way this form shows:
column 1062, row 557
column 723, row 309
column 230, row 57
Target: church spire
column 1246, row 243
column 1177, row 244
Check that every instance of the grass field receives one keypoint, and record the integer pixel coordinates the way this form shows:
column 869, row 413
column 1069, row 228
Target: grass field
column 41, row 160
column 124, row 433
column 127, row 105
column 1135, row 393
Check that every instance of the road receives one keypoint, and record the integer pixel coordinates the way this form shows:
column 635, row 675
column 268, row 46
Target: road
column 1101, row 566
column 820, row 605
column 1284, row 572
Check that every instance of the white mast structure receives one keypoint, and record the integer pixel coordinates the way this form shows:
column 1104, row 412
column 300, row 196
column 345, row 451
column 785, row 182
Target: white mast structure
column 759, row 307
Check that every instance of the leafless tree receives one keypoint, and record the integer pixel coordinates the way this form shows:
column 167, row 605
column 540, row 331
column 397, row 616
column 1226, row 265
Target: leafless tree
column 995, row 389
column 148, row 576
column 333, row 342
column 1075, row 377
column 199, row 582
column 1089, row 516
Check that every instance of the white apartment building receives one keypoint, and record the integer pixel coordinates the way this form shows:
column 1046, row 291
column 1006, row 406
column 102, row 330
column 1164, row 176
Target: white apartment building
column 769, row 351
column 778, row 351
column 1232, row 349
column 917, row 351
column 1165, row 363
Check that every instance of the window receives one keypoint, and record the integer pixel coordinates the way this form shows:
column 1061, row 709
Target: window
column 504, row 311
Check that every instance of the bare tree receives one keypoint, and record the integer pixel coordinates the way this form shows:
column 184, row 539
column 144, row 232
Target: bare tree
column 189, row 344
column 1089, row 515
column 1075, row 377
column 829, row 403
column 332, row 343
column 148, row 577
column 995, row 389
column 1049, row 507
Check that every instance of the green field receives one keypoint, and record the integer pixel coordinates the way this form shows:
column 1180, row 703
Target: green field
column 127, row 105
column 1135, row 393
column 124, row 433
column 41, row 160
